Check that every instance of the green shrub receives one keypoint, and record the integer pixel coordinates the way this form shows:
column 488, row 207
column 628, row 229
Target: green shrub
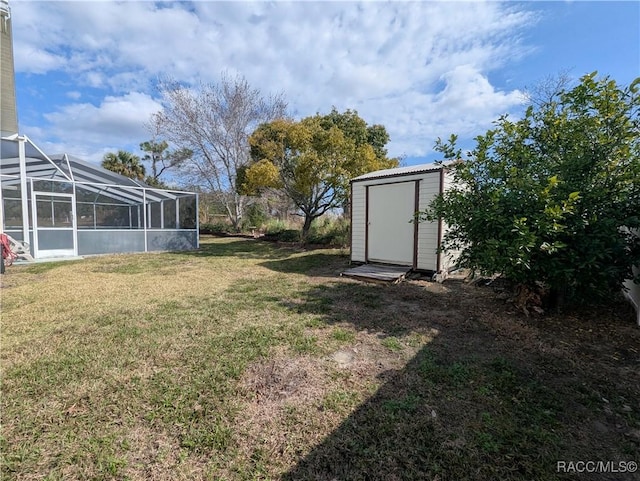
column 551, row 199
column 255, row 217
column 274, row 227
column 327, row 231
column 323, row 231
column 277, row 230
column 215, row 228
column 289, row 235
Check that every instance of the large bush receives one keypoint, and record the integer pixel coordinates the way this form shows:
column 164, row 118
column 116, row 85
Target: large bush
column 324, row 231
column 548, row 200
column 329, row 231
column 255, row 217
column 216, row 228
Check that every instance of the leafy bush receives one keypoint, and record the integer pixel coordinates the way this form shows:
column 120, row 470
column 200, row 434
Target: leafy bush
column 324, row 231
column 327, row 231
column 550, row 199
column 255, row 217
column 215, row 228
column 274, row 227
column 289, row 235
column 277, row 230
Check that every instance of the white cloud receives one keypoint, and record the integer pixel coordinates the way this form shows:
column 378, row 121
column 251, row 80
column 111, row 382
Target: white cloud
column 116, row 121
column 473, row 98
column 420, row 68
column 28, row 58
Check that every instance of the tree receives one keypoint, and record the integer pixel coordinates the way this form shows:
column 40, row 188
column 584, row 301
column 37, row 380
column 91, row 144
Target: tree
column 548, row 89
column 311, row 160
column 356, row 129
column 552, row 198
column 124, row 163
column 214, row 121
column 162, row 159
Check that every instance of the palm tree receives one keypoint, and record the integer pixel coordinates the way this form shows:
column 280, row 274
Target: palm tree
column 162, row 159
column 124, row 163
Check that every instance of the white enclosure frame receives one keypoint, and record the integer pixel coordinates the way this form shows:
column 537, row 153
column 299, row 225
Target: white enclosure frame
column 39, row 252
column 31, row 174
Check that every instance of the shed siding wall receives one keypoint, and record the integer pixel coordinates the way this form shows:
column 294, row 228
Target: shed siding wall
column 448, row 259
column 428, row 231
column 358, row 224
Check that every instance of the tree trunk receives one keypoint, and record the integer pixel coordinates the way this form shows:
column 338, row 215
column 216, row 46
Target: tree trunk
column 346, row 209
column 308, row 219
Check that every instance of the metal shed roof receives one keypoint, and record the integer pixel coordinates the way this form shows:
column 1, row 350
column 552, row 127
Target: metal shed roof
column 399, row 171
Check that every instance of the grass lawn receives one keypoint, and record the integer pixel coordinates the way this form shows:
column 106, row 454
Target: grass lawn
column 248, row 361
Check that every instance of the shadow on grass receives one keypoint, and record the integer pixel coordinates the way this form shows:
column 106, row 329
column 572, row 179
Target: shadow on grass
column 236, row 247
column 461, row 408
column 445, row 421
column 43, row 266
column 387, row 310
column 488, row 397
column 472, row 404
column 279, row 258
column 317, row 264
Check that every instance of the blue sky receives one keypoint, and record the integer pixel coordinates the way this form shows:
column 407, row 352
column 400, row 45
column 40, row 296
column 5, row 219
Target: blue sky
column 85, row 71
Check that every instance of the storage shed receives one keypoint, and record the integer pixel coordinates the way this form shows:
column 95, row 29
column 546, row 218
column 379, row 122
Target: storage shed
column 383, row 204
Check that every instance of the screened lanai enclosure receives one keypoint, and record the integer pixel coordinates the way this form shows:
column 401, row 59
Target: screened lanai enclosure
column 63, row 206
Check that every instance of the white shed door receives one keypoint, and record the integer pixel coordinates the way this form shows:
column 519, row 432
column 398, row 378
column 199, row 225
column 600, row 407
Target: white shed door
column 390, row 234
